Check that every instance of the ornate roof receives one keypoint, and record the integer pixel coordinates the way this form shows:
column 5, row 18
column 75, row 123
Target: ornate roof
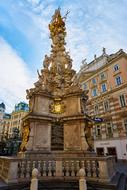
column 2, row 105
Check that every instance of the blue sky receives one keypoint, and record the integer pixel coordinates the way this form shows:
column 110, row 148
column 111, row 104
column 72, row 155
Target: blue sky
column 24, row 37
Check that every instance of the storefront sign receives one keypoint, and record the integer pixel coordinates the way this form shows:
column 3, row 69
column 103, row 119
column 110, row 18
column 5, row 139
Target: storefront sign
column 98, row 119
column 106, row 143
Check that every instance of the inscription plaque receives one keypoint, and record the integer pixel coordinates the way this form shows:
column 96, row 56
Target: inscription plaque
column 57, row 136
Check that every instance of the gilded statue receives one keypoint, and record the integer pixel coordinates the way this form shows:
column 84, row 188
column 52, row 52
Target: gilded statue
column 57, row 24
column 25, row 137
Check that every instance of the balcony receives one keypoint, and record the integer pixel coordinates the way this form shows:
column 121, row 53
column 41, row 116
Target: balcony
column 109, row 135
column 98, row 137
column 93, row 85
column 123, row 111
column 116, row 72
column 102, row 80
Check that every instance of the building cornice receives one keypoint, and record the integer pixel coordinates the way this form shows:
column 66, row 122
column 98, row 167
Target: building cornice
column 108, row 92
column 110, row 61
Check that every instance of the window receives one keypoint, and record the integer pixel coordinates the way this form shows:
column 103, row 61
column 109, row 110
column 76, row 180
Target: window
column 98, row 130
column 94, row 92
column 104, row 87
column 106, row 106
column 96, row 109
column 118, row 80
column 116, row 67
column 109, row 130
column 122, row 100
column 94, row 81
column 102, row 76
column 84, row 86
column 125, row 124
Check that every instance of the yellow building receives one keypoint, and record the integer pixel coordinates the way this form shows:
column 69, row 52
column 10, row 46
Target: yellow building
column 20, row 110
column 5, row 126
column 2, row 112
column 4, row 122
column 106, row 79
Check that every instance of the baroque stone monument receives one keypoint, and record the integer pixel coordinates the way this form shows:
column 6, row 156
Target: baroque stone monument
column 57, row 131
column 57, row 123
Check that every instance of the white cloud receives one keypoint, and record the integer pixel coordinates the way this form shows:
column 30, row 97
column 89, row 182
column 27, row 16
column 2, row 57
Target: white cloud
column 14, row 76
column 90, row 25
column 76, row 44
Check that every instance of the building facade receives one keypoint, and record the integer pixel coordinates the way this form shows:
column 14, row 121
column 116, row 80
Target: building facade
column 10, row 121
column 20, row 110
column 105, row 78
column 5, row 126
column 2, row 113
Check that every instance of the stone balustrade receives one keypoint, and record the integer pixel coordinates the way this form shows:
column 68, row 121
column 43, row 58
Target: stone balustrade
column 96, row 168
column 8, row 169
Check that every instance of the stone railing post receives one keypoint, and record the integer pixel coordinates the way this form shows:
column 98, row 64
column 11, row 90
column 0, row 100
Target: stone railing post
column 34, row 180
column 106, row 168
column 59, row 172
column 12, row 172
column 103, row 170
column 82, row 180
column 9, row 168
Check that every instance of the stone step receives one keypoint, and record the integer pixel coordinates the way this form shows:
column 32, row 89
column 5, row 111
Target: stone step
column 45, row 185
column 71, row 185
column 59, row 185
column 101, row 186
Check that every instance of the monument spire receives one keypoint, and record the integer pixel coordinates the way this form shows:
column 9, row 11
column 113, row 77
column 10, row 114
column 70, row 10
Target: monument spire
column 57, row 25
column 57, row 102
column 57, row 73
column 57, row 34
